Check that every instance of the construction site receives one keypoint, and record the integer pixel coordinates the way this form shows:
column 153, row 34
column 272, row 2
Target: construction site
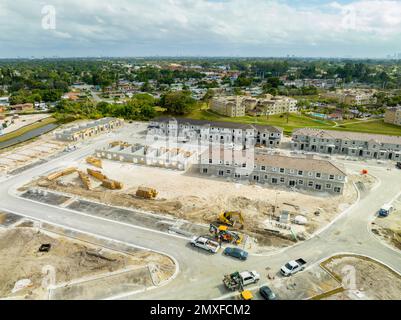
column 41, row 261
column 272, row 217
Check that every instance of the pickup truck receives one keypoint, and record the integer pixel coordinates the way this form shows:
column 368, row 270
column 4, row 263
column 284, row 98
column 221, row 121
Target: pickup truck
column 238, row 280
column 206, row 244
column 293, row 267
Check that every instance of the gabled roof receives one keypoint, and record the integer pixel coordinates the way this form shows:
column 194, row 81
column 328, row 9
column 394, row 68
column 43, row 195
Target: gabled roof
column 221, row 124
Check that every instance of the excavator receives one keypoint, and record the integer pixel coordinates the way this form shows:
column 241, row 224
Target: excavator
column 222, row 232
column 232, row 219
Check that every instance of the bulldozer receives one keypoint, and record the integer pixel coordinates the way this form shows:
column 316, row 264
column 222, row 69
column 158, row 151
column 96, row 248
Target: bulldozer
column 222, row 232
column 232, row 219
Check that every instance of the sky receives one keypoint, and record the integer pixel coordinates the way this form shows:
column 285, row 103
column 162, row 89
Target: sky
column 262, row 28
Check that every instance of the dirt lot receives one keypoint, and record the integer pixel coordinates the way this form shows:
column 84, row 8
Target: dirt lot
column 389, row 228
column 373, row 281
column 200, row 199
column 72, row 259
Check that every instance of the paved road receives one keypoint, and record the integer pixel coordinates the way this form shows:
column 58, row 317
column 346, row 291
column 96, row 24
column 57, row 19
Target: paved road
column 200, row 273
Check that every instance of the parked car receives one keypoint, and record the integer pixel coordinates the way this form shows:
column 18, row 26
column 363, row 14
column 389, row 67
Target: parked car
column 293, row 267
column 205, row 244
column 267, row 293
column 385, row 210
column 236, row 253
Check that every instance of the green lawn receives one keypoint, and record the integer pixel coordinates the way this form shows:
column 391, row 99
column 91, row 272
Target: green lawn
column 27, row 128
column 300, row 121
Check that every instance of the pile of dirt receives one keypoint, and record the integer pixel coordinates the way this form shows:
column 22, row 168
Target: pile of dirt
column 20, row 259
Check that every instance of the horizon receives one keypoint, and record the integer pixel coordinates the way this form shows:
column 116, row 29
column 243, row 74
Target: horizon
column 348, row 29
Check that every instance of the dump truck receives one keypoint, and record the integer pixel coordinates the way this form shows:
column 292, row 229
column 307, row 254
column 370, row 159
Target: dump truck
column 147, row 193
column 205, row 244
column 94, row 162
column 293, row 267
column 238, row 280
column 222, row 232
column 232, row 219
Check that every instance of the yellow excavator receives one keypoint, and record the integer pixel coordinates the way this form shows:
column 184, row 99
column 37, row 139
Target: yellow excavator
column 232, row 219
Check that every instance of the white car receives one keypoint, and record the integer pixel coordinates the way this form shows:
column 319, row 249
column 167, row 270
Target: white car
column 206, row 244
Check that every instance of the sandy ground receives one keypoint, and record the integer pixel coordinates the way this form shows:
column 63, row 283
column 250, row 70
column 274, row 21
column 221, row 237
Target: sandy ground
column 22, row 121
column 389, row 228
column 373, row 281
column 200, row 199
column 20, row 259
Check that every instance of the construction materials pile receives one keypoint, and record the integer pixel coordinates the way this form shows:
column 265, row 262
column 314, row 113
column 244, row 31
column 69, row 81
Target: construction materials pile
column 106, row 182
column 94, row 162
column 146, row 193
column 59, row 174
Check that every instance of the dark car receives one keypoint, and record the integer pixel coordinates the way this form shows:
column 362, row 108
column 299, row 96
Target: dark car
column 236, row 253
column 267, row 293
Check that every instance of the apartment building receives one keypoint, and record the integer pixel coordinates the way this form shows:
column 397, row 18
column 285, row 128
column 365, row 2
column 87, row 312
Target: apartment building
column 355, row 144
column 270, row 105
column 275, row 170
column 238, row 106
column 354, row 97
column 228, row 106
column 207, row 132
column 93, row 128
column 393, row 116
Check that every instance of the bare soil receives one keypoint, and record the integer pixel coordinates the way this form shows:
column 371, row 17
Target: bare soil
column 20, row 259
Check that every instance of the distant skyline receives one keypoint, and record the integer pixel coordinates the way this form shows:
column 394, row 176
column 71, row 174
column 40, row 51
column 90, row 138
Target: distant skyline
column 208, row 28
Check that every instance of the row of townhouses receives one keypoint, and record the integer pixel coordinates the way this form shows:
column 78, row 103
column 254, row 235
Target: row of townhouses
column 238, row 106
column 209, row 132
column 90, row 129
column 348, row 143
column 277, row 170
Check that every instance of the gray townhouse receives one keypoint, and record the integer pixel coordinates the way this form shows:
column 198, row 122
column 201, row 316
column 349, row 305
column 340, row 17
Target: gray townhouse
column 211, row 132
column 276, row 170
column 355, row 144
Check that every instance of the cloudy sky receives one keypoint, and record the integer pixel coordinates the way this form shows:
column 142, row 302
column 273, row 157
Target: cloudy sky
column 65, row 28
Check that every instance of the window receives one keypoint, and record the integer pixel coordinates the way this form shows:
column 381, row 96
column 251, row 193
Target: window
column 221, row 173
column 300, row 172
column 228, row 171
column 337, row 189
column 318, row 175
column 210, row 161
column 244, row 165
column 281, row 170
column 300, row 182
column 310, row 183
column 331, row 177
column 263, row 168
column 328, row 186
column 318, row 187
column 237, row 175
column 274, row 180
column 204, row 170
column 282, row 180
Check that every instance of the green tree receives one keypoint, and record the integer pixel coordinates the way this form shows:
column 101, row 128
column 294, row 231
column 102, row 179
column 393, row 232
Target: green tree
column 179, row 102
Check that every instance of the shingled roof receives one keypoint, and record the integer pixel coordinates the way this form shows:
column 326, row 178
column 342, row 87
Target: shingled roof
column 221, row 124
column 355, row 136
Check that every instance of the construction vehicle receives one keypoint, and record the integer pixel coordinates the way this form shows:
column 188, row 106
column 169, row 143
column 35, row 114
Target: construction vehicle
column 246, row 295
column 222, row 232
column 232, row 219
column 60, row 174
column 146, row 193
column 94, row 162
column 238, row 280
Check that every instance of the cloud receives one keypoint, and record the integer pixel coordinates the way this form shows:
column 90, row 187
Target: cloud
column 199, row 27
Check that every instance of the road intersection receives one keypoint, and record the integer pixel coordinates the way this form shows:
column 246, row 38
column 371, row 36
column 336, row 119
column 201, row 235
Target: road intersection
column 200, row 274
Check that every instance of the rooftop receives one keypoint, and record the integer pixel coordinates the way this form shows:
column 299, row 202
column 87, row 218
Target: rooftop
column 356, row 136
column 221, row 124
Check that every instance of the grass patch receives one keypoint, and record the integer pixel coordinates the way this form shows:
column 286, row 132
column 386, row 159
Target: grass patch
column 296, row 121
column 30, row 127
